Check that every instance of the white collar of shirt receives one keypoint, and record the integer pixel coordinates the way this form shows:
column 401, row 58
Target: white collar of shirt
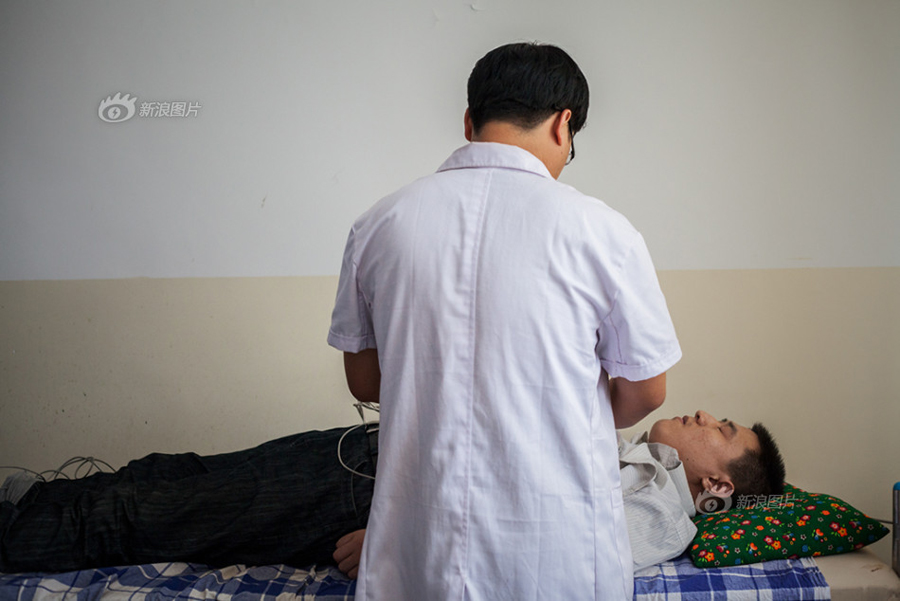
column 640, row 452
column 494, row 154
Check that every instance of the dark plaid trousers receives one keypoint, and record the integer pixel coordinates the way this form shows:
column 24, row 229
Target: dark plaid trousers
column 285, row 501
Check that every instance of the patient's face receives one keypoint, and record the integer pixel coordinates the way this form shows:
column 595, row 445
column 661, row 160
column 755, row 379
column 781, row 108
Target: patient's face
column 705, row 445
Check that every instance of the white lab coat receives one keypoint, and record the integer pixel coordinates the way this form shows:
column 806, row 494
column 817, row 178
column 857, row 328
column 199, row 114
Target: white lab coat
column 499, row 299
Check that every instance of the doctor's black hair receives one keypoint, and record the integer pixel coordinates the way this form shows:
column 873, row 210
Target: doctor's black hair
column 758, row 473
column 524, row 84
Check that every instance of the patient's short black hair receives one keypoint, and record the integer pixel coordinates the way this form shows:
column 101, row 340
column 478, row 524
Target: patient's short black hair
column 760, row 472
column 524, row 84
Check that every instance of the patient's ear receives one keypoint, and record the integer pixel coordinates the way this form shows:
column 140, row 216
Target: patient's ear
column 720, row 487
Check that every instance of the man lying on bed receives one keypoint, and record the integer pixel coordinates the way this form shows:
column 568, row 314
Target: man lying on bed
column 289, row 500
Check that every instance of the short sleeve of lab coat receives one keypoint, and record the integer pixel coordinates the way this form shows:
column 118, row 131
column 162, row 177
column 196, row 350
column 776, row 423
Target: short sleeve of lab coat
column 637, row 339
column 351, row 321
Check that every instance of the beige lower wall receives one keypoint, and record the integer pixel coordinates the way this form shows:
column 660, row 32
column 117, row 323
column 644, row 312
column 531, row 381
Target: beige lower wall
column 120, row 368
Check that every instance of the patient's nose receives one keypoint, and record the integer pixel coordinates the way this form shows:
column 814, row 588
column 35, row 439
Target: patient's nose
column 704, row 418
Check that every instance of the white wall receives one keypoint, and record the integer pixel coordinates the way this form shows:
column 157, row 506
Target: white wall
column 735, row 135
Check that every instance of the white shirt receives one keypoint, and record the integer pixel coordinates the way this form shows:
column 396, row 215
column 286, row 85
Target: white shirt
column 658, row 502
column 499, row 299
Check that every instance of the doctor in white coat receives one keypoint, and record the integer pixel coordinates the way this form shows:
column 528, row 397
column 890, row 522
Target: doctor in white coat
column 510, row 323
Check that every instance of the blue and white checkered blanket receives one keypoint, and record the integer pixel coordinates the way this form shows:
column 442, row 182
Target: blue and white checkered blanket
column 680, row 580
column 182, row 582
column 676, row 580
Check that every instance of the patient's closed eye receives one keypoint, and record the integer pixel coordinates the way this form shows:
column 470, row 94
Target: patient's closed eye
column 730, row 430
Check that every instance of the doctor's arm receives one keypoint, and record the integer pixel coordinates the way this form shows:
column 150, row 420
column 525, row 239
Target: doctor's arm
column 364, row 380
column 633, row 401
column 363, row 375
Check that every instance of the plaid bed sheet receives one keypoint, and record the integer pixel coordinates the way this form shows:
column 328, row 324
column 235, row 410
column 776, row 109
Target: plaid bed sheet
column 182, row 582
column 780, row 580
column 677, row 580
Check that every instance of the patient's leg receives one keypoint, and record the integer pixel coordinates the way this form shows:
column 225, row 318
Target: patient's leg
column 284, row 502
column 160, row 467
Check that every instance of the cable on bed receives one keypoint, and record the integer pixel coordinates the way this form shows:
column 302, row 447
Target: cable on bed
column 84, row 466
column 370, row 427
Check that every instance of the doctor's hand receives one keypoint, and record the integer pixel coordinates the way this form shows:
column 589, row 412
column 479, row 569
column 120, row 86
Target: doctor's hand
column 348, row 552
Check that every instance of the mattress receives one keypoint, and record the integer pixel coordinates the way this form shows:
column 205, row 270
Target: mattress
column 859, row 576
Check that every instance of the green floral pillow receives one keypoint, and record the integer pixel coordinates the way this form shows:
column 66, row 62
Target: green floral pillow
column 796, row 524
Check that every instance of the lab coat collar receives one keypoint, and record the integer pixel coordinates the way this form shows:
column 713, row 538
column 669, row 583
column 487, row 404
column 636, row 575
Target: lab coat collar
column 494, row 154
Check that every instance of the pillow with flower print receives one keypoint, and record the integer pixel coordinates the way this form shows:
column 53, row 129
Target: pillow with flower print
column 795, row 524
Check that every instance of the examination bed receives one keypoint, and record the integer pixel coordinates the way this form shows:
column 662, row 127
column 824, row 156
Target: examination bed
column 857, row 576
column 746, row 553
column 678, row 579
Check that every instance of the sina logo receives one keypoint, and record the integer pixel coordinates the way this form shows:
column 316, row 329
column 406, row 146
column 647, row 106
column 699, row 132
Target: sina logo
column 118, row 108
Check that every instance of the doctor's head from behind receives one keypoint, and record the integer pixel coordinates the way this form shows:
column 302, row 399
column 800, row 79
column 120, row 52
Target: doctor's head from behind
column 721, row 458
column 529, row 95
